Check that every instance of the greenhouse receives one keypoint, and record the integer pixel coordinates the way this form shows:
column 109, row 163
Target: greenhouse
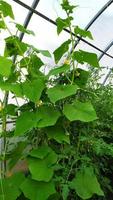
column 56, row 100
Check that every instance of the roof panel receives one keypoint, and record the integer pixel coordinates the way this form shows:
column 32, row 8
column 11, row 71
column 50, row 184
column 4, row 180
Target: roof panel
column 86, row 10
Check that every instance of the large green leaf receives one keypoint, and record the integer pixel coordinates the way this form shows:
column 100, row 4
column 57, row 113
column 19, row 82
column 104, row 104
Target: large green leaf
column 58, row 133
column 9, row 189
column 58, row 70
column 61, row 91
column 30, row 89
column 86, row 57
column 82, row 33
column 60, row 51
column 33, row 90
column 35, row 190
column 42, row 118
column 41, row 152
column 47, row 116
column 86, row 184
column 80, row 111
column 25, row 122
column 6, row 9
column 42, row 169
column 5, row 66
column 63, row 23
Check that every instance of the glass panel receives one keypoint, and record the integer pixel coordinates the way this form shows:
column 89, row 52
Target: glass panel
column 102, row 29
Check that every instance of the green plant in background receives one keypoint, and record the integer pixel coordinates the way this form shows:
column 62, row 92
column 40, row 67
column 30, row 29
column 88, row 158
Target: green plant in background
column 58, row 147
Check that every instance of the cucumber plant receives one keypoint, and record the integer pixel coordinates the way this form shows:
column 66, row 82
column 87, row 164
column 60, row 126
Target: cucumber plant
column 43, row 137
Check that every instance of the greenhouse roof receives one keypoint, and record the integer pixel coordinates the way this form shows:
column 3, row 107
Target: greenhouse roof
column 40, row 16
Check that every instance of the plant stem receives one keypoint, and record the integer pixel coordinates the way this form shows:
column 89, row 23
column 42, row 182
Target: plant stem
column 4, row 130
column 72, row 42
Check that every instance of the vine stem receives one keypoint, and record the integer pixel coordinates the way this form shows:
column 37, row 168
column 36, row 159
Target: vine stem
column 72, row 42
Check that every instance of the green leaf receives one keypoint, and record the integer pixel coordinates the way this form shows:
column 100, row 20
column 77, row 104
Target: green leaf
column 25, row 122
column 63, row 23
column 86, row 57
column 47, row 116
column 42, row 169
column 11, row 109
column 80, row 111
column 33, row 66
column 58, row 70
column 45, row 53
column 10, row 187
column 41, row 152
column 33, row 90
column 2, row 25
column 17, row 179
column 61, row 91
column 35, row 61
column 86, row 184
column 67, row 7
column 59, row 134
column 24, row 62
column 5, row 66
column 81, row 77
column 60, row 51
column 35, row 190
column 24, row 30
column 12, row 87
column 83, row 33
column 6, row 9
column 14, row 46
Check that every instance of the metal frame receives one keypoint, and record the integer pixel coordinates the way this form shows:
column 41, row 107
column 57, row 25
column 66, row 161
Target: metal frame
column 29, row 15
column 101, row 56
column 106, row 49
column 54, row 23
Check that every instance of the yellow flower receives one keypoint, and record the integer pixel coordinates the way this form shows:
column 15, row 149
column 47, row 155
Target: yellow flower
column 67, row 62
column 39, row 103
